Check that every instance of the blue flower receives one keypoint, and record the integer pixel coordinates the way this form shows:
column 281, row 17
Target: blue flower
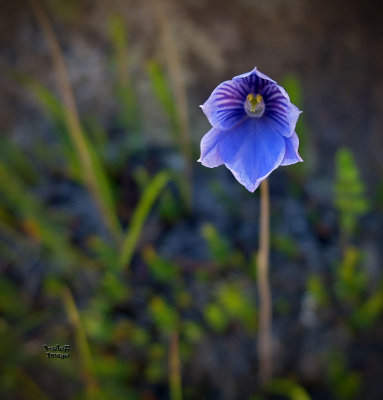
column 253, row 128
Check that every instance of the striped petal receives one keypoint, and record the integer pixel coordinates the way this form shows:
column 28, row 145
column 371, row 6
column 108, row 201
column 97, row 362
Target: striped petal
column 278, row 109
column 224, row 108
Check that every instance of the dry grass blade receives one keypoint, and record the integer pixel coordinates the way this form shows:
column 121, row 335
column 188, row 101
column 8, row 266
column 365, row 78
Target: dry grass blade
column 92, row 171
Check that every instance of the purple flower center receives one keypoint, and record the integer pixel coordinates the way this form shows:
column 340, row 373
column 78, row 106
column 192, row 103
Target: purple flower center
column 254, row 105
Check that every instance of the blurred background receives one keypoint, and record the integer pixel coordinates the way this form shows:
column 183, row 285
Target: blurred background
column 115, row 241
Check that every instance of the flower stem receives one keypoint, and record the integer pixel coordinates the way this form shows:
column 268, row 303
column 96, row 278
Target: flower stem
column 264, row 324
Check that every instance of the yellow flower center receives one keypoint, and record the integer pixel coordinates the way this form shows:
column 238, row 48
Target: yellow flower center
column 254, row 105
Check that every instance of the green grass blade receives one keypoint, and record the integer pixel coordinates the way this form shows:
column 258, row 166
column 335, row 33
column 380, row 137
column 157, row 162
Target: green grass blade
column 163, row 95
column 140, row 214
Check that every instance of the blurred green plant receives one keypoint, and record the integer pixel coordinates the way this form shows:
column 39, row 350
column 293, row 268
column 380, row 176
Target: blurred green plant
column 218, row 246
column 14, row 158
column 220, row 249
column 139, row 216
column 162, row 270
column 164, row 316
column 231, row 303
column 345, row 384
column 92, row 171
column 129, row 110
column 55, row 111
column 82, row 158
column 170, row 207
column 349, row 194
column 167, row 320
column 26, row 211
column 91, row 384
column 164, row 95
column 285, row 245
column 216, row 317
column 317, row 290
column 351, row 278
column 176, row 82
column 288, row 388
column 18, row 382
column 363, row 303
column 368, row 312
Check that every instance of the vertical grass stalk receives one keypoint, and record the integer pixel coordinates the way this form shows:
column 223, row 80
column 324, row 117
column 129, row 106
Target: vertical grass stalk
column 264, row 324
column 175, row 384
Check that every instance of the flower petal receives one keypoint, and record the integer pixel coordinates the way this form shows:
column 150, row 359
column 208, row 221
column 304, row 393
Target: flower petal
column 253, row 82
column 251, row 151
column 225, row 106
column 293, row 115
column 209, row 149
column 254, row 72
column 280, row 110
column 293, row 111
column 292, row 156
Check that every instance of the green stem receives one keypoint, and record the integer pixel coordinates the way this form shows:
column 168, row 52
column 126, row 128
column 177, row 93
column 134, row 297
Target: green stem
column 264, row 325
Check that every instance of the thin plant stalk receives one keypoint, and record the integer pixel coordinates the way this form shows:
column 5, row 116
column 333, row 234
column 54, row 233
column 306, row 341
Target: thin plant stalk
column 82, row 344
column 73, row 122
column 175, row 384
column 265, row 308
